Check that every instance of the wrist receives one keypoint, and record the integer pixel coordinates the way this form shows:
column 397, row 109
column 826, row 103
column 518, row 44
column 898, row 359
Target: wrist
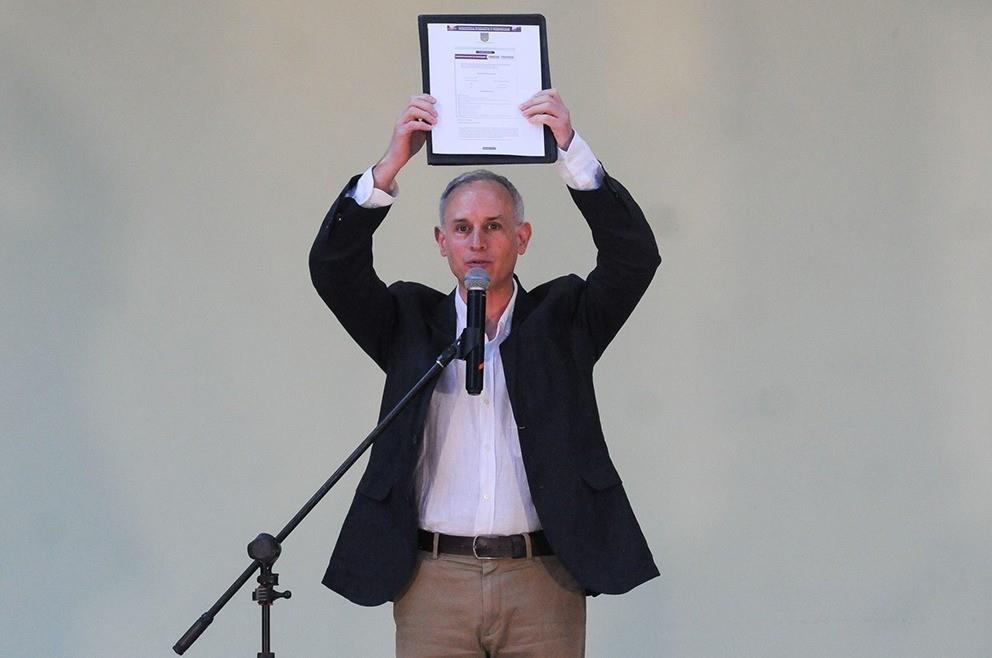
column 384, row 174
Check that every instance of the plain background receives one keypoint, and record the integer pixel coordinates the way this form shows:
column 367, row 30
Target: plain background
column 799, row 407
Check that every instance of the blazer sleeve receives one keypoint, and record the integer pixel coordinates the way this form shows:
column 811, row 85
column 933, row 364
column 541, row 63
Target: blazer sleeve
column 626, row 260
column 341, row 268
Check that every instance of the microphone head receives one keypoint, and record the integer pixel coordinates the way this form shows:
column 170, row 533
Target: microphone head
column 476, row 279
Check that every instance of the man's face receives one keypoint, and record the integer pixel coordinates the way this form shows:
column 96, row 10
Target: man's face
column 478, row 230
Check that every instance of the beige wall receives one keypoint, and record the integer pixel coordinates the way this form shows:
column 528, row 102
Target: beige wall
column 799, row 407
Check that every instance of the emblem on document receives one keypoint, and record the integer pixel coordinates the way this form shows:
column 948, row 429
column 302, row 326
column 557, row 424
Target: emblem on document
column 484, row 36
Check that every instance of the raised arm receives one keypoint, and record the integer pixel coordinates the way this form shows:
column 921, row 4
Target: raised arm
column 626, row 251
column 626, row 259
column 341, row 264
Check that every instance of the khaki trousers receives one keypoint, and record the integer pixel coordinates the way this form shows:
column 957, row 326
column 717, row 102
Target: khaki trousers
column 462, row 606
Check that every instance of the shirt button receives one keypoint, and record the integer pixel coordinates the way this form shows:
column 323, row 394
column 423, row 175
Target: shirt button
column 486, row 497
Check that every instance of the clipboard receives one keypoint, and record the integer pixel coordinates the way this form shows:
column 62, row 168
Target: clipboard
column 550, row 146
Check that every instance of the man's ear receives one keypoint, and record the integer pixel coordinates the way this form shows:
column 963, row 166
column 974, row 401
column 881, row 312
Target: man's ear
column 523, row 237
column 439, row 238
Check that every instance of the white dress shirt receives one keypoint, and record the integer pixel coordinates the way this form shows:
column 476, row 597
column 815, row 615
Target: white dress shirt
column 470, row 476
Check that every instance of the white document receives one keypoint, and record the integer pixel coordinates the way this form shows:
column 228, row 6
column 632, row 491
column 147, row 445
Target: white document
column 480, row 74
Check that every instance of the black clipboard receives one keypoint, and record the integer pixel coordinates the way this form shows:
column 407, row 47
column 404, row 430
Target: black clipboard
column 550, row 146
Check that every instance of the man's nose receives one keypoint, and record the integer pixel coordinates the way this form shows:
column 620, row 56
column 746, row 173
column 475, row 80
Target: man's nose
column 478, row 241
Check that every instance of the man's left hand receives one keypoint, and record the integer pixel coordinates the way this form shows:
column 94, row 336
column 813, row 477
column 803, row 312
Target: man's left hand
column 546, row 108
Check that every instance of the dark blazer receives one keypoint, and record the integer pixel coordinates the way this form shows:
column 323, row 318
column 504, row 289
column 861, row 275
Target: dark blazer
column 559, row 331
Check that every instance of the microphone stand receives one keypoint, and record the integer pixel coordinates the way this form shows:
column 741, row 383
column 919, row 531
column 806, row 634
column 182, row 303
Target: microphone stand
column 264, row 550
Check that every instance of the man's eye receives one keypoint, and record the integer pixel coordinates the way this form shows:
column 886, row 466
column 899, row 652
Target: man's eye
column 461, row 228
column 494, row 226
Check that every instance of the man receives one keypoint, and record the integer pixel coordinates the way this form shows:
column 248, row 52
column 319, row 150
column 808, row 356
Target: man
column 487, row 519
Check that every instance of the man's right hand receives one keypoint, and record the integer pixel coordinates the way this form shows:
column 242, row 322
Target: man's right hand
column 409, row 136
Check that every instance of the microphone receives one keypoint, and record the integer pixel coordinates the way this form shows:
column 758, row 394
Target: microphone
column 476, row 282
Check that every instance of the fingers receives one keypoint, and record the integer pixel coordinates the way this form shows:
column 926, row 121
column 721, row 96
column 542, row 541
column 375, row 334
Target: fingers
column 421, row 107
column 543, row 96
column 417, row 115
column 546, row 108
column 548, row 113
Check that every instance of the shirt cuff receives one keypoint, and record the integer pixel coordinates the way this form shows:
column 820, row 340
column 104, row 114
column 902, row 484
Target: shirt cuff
column 578, row 166
column 367, row 195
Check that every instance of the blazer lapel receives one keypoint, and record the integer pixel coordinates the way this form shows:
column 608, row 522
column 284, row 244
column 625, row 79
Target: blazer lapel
column 511, row 349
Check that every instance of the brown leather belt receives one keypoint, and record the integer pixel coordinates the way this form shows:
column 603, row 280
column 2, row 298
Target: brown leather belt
column 485, row 547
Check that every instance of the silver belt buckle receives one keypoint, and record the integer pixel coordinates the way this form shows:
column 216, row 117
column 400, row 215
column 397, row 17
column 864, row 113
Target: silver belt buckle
column 475, row 552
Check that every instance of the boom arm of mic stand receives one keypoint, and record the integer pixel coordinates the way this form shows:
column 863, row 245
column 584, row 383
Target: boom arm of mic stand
column 447, row 356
